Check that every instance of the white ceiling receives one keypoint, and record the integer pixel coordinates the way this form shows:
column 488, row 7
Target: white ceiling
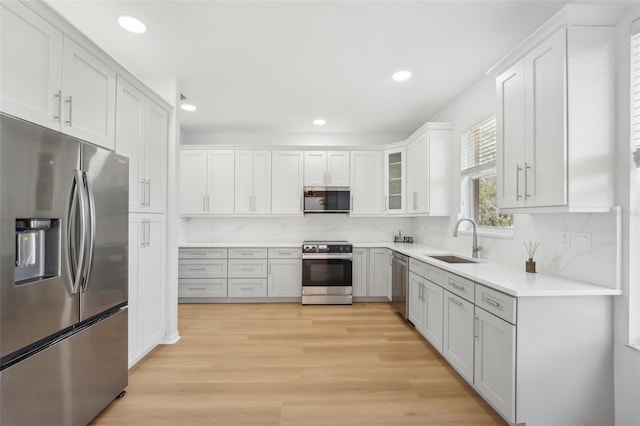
column 274, row 66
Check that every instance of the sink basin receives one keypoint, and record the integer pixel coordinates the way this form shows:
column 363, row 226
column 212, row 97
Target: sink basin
column 449, row 258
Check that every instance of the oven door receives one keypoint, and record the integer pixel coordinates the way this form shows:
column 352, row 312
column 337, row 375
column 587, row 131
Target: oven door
column 326, row 273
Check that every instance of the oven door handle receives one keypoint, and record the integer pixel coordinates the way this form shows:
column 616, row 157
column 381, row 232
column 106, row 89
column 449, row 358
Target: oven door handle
column 326, row 257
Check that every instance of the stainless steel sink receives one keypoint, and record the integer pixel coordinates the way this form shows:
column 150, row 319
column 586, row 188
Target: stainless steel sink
column 450, row 258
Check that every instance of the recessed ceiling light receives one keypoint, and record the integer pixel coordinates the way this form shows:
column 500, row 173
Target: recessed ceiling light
column 188, row 107
column 319, row 122
column 132, row 24
column 402, row 75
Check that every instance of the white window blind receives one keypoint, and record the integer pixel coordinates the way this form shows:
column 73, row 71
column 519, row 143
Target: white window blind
column 635, row 92
column 478, row 145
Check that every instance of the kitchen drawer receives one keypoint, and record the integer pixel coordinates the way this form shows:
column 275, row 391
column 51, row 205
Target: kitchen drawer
column 242, row 287
column 247, row 253
column 202, row 268
column 417, row 267
column 202, row 253
column 285, row 253
column 460, row 286
column 247, row 268
column 193, row 287
column 499, row 304
column 434, row 274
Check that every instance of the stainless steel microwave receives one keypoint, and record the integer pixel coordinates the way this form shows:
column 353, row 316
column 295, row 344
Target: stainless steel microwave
column 327, row 200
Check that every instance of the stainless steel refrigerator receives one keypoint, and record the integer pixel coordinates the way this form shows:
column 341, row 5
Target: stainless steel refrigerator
column 63, row 276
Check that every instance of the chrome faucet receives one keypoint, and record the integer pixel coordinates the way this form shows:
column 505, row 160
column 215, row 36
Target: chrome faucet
column 475, row 247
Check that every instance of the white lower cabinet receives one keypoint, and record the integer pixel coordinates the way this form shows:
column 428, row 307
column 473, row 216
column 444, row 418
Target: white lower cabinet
column 202, row 287
column 371, row 273
column 417, row 305
column 146, row 284
column 239, row 272
column 433, row 296
column 202, row 272
column 495, row 370
column 247, row 287
column 247, row 268
column 247, row 271
column 359, row 269
column 426, row 303
column 533, row 359
column 458, row 334
column 285, row 278
column 378, row 281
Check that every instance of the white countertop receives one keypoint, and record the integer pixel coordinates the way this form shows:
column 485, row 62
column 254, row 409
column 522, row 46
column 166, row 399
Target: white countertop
column 506, row 278
column 243, row 245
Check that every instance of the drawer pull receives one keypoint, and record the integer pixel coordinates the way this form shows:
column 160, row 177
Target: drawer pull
column 196, row 288
column 197, row 269
column 491, row 302
column 193, row 253
column 457, row 302
column 458, row 286
column 247, row 253
column 246, row 288
column 246, row 269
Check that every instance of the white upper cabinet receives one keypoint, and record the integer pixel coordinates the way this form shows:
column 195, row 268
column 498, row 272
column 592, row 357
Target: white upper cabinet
column 193, row 181
column 220, row 187
column 130, row 139
column 287, row 182
column 206, row 181
column 533, row 166
column 30, row 66
column 50, row 80
column 326, row 168
column 395, row 165
column 428, row 174
column 141, row 135
column 89, row 97
column 367, row 183
column 418, row 175
column 155, row 155
column 510, row 139
column 253, row 182
column 556, row 121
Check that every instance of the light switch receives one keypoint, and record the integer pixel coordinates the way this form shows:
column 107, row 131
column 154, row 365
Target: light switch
column 565, row 240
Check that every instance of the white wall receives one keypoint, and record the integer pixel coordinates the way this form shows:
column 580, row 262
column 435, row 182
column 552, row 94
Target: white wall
column 292, row 229
column 626, row 359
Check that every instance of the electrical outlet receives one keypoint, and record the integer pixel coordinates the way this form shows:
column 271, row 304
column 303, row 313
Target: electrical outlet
column 565, row 240
column 585, row 241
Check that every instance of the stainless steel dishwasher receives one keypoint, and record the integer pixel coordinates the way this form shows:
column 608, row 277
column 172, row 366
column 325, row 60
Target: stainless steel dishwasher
column 400, row 282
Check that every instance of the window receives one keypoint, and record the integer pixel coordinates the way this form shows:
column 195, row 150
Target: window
column 478, row 166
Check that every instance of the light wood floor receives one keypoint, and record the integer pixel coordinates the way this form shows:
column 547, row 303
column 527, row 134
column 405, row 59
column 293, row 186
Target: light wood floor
column 293, row 365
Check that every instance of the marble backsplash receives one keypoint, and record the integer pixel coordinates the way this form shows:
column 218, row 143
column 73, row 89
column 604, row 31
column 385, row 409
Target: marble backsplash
column 597, row 265
column 292, row 229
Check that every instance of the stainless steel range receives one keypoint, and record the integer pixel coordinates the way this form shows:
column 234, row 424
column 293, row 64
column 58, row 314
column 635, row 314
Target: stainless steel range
column 327, row 273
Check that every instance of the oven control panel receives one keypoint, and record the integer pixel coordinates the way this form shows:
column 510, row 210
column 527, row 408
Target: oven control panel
column 327, row 248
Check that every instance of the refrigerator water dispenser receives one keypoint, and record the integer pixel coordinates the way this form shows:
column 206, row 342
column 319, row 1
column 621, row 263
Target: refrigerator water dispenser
column 37, row 250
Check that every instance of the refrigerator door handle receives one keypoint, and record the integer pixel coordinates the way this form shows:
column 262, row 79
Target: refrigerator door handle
column 76, row 252
column 92, row 230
